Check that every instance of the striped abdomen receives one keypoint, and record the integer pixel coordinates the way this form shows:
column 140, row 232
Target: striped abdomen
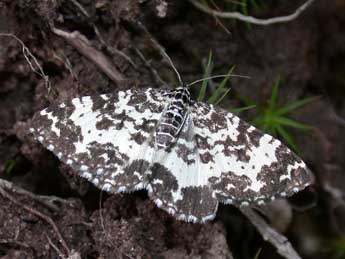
column 172, row 119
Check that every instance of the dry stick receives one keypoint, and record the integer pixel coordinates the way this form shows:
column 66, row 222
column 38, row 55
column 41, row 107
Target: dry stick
column 38, row 214
column 10, row 186
column 72, row 255
column 102, row 220
column 269, row 234
column 66, row 63
column 82, row 44
column 250, row 19
column 218, row 21
column 14, row 242
column 44, row 200
column 110, row 49
column 29, row 56
column 57, row 250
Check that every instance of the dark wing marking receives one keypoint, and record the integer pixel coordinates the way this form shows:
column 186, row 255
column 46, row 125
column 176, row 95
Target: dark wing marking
column 244, row 165
column 178, row 185
column 106, row 138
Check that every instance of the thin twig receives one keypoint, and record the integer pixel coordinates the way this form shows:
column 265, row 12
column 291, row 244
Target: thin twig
column 14, row 242
column 28, row 57
column 161, row 50
column 337, row 200
column 110, row 49
column 335, row 193
column 218, row 21
column 106, row 233
column 47, row 201
column 57, row 250
column 154, row 72
column 72, row 255
column 269, row 234
column 251, row 19
column 82, row 44
column 336, row 118
column 102, row 221
column 35, row 212
column 66, row 63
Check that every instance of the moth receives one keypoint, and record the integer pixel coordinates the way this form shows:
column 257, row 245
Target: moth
column 188, row 155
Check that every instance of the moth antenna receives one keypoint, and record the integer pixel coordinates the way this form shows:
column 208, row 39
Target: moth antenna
column 173, row 66
column 162, row 51
column 216, row 76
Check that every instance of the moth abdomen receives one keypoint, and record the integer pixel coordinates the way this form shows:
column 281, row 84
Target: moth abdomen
column 172, row 119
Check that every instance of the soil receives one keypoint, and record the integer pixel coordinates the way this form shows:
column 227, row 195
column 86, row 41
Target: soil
column 308, row 54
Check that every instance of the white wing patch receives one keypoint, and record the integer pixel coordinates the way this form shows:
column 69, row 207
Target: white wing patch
column 244, row 165
column 106, row 138
column 178, row 184
column 216, row 157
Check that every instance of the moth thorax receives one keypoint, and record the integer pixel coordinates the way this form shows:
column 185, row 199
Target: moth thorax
column 172, row 119
column 182, row 94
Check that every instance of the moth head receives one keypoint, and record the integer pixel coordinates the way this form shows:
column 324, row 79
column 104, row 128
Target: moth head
column 182, row 92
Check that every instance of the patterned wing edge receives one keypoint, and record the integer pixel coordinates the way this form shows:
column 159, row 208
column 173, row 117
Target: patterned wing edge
column 228, row 131
column 46, row 127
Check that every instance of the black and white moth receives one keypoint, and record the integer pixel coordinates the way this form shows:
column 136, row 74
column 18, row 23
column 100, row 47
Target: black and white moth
column 188, row 155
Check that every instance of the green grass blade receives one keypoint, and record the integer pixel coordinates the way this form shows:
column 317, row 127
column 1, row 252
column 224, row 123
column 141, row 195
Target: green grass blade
column 241, row 109
column 205, row 2
column 287, row 138
column 220, row 88
column 9, row 165
column 274, row 95
column 255, row 4
column 337, row 248
column 292, row 106
column 265, row 128
column 247, row 101
column 244, row 8
column 222, row 97
column 257, row 121
column 275, row 132
column 257, row 254
column 291, row 123
column 207, row 72
column 270, row 129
